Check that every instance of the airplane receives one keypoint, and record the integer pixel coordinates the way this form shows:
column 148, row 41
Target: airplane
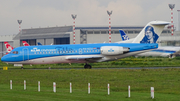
column 123, row 35
column 25, row 43
column 82, row 53
column 9, row 48
column 165, row 51
column 41, row 44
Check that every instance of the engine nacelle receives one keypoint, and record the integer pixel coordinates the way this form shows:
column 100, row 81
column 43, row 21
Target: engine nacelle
column 113, row 50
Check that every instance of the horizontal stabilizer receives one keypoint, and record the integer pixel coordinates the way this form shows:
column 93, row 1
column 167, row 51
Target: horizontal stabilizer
column 159, row 23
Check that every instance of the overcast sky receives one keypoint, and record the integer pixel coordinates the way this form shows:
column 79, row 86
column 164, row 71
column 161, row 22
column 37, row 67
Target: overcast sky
column 44, row 13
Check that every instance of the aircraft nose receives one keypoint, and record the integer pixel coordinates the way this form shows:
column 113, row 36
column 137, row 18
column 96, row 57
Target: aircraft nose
column 4, row 59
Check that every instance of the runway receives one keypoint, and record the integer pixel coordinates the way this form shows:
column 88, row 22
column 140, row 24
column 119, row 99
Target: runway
column 93, row 68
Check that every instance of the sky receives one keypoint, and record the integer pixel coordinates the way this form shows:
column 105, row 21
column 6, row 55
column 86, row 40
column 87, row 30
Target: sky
column 51, row 13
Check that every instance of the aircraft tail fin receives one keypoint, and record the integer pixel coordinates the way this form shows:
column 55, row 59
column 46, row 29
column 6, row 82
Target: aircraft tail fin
column 8, row 47
column 151, row 32
column 25, row 43
column 123, row 35
column 39, row 43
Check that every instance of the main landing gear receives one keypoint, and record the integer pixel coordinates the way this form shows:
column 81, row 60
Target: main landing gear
column 87, row 66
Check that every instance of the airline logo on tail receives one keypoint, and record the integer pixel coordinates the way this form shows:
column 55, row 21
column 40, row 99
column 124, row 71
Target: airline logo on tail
column 123, row 35
column 25, row 43
column 150, row 36
column 8, row 47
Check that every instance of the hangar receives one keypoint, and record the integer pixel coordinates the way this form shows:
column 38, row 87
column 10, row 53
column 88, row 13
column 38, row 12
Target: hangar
column 64, row 35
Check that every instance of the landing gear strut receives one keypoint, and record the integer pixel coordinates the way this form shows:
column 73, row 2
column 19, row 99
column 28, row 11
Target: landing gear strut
column 87, row 66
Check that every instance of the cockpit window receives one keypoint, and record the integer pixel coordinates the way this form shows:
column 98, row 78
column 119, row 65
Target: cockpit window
column 15, row 52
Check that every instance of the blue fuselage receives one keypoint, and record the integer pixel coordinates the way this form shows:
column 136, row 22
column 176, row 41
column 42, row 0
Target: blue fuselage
column 25, row 53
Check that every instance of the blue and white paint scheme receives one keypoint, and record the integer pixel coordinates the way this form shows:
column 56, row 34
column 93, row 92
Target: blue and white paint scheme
column 166, row 51
column 150, row 36
column 123, row 35
column 82, row 53
column 77, row 53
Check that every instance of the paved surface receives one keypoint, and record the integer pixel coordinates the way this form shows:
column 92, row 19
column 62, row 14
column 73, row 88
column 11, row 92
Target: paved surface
column 94, row 68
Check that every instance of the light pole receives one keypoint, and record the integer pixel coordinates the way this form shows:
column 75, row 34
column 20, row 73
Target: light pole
column 74, row 17
column 109, row 13
column 171, row 6
column 178, row 20
column 19, row 22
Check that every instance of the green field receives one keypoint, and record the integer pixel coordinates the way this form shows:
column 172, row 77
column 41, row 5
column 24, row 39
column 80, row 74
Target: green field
column 166, row 83
column 125, row 62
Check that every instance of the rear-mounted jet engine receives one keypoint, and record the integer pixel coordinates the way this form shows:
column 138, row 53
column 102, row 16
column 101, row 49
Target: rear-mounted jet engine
column 113, row 50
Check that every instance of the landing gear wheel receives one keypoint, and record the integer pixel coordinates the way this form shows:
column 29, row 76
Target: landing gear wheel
column 87, row 66
column 22, row 68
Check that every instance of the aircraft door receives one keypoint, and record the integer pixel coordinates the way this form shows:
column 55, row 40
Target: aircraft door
column 25, row 54
column 80, row 51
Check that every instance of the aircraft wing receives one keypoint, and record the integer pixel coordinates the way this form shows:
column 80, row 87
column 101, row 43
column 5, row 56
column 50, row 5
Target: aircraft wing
column 84, row 58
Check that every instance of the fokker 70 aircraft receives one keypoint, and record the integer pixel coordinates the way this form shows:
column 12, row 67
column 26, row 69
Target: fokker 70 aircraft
column 84, row 53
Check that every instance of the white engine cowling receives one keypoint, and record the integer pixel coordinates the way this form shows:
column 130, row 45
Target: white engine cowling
column 113, row 50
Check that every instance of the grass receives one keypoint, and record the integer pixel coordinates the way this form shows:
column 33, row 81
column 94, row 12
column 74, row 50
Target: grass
column 79, row 95
column 165, row 82
column 121, row 63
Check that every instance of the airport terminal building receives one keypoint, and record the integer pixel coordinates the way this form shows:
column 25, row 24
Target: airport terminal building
column 83, row 35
